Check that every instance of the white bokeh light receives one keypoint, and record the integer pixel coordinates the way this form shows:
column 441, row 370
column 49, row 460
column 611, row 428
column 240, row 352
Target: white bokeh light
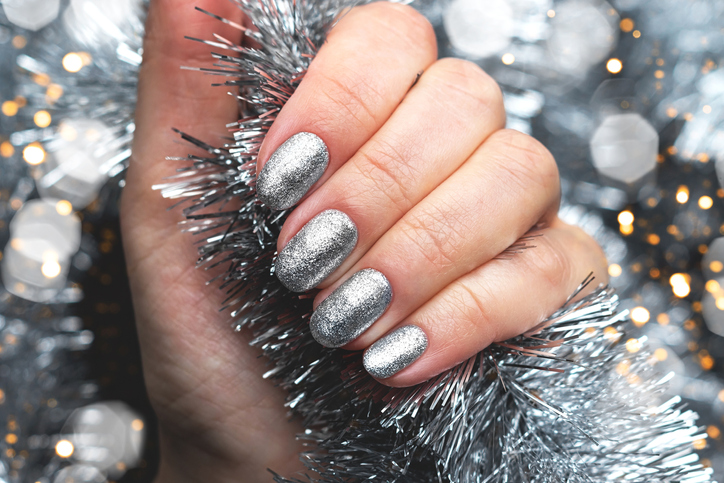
column 108, row 436
column 624, row 148
column 31, row 14
column 44, row 235
column 479, row 29
column 78, row 160
column 582, row 34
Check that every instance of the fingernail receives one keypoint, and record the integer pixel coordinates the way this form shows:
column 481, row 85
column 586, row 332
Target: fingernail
column 351, row 309
column 293, row 168
column 316, row 251
column 395, row 351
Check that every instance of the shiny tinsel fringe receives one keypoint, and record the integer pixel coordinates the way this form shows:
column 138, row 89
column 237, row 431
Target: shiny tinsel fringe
column 567, row 401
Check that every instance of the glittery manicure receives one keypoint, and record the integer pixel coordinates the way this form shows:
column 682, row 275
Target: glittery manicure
column 292, row 170
column 316, row 251
column 395, row 351
column 351, row 309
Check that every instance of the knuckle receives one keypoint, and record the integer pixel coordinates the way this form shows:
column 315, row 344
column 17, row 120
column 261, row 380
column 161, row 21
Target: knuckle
column 467, row 80
column 589, row 246
column 401, row 20
column 389, row 171
column 346, row 99
column 434, row 234
column 550, row 261
column 474, row 307
column 526, row 160
column 161, row 38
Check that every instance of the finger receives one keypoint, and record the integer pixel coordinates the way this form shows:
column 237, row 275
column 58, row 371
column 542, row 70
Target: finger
column 169, row 97
column 185, row 353
column 421, row 145
column 358, row 78
column 509, row 185
column 485, row 306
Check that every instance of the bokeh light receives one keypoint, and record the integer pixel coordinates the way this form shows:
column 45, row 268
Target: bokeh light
column 614, row 66
column 34, row 154
column 640, row 316
column 72, row 62
column 64, row 448
column 705, row 202
column 42, row 118
column 626, row 218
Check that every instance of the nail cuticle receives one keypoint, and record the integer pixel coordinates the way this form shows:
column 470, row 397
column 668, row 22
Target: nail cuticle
column 395, row 351
column 319, row 248
column 292, row 170
column 351, row 309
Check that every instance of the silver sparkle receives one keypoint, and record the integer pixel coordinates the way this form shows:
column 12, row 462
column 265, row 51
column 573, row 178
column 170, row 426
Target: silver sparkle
column 395, row 351
column 553, row 406
column 293, row 168
column 351, row 309
column 316, row 251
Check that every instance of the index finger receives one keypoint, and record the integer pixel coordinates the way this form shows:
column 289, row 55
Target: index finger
column 370, row 60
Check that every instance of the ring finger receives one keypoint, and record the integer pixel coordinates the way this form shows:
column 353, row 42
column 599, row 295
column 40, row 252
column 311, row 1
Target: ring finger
column 507, row 186
column 484, row 306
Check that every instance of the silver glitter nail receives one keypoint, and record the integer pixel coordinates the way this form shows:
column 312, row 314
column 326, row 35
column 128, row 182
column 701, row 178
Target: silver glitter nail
column 351, row 309
column 316, row 251
column 395, row 351
column 293, row 168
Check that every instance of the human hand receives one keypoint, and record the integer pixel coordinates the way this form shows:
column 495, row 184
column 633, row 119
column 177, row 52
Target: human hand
column 425, row 189
column 434, row 186
column 219, row 421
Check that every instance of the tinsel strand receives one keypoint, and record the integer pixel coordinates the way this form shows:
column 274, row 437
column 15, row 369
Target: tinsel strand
column 566, row 402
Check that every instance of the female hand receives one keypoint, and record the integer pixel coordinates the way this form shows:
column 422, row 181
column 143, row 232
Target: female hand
column 425, row 186
column 414, row 190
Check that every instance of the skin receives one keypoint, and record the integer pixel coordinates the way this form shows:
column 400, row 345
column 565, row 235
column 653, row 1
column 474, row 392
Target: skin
column 434, row 183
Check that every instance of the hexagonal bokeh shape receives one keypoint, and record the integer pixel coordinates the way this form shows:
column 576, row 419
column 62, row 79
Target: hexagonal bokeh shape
column 44, row 234
column 31, row 14
column 581, row 35
column 624, row 148
column 78, row 161
column 108, row 436
column 479, row 29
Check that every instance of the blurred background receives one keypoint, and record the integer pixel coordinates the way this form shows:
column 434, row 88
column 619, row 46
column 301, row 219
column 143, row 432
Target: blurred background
column 627, row 94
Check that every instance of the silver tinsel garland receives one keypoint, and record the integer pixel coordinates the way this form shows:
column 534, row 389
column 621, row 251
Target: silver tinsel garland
column 670, row 52
column 566, row 402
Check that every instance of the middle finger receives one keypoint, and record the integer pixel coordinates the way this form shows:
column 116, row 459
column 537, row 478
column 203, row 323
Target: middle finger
column 399, row 166
column 507, row 186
